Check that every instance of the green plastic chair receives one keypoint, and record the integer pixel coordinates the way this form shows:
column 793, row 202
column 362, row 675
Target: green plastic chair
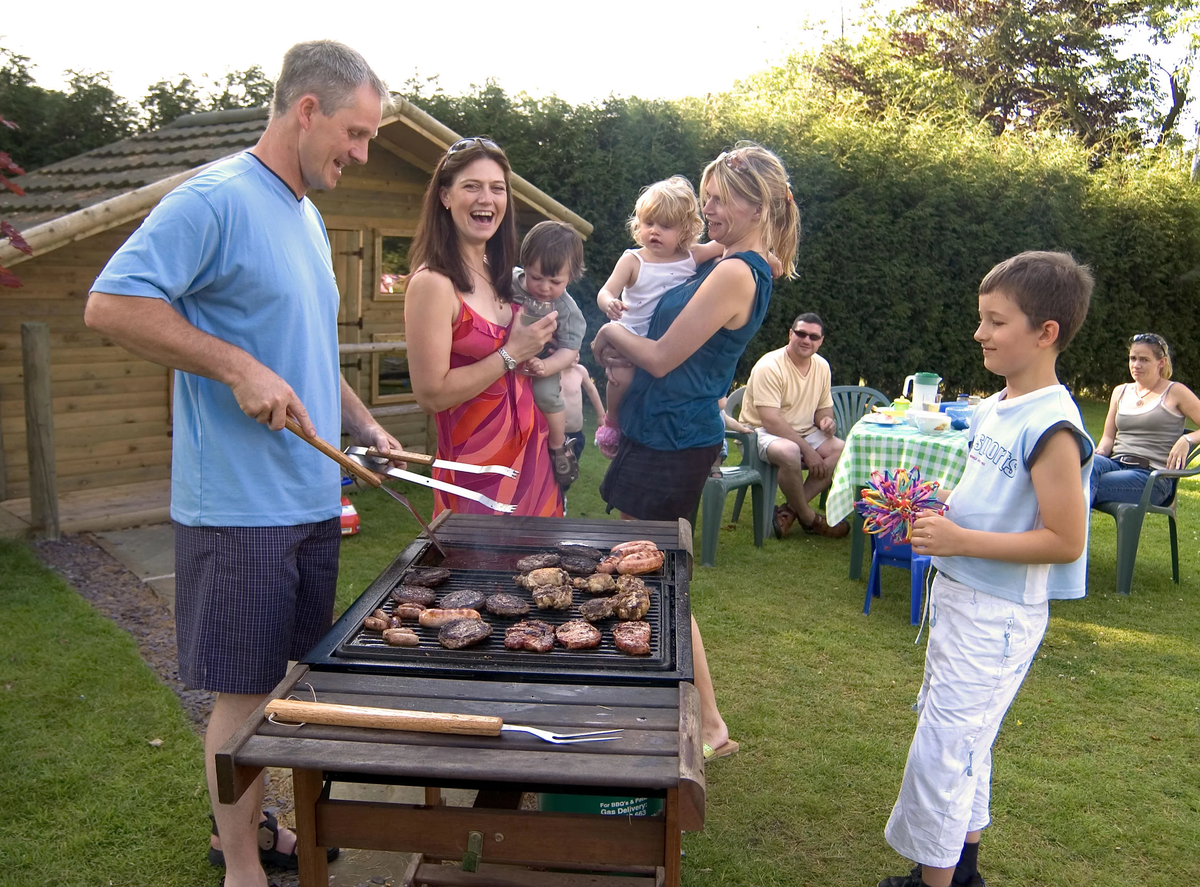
column 754, row 474
column 852, row 402
column 1129, row 517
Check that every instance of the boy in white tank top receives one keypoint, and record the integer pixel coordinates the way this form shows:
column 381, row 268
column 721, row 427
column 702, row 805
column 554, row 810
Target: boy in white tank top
column 665, row 224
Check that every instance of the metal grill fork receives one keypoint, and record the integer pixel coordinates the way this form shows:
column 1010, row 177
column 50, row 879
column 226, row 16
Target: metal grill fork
column 563, row 738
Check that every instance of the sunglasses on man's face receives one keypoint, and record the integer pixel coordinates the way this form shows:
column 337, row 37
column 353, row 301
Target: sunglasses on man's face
column 463, row 144
column 814, row 337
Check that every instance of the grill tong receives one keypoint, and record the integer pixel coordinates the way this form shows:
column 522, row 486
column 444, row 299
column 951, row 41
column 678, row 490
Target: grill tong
column 367, row 459
column 418, row 721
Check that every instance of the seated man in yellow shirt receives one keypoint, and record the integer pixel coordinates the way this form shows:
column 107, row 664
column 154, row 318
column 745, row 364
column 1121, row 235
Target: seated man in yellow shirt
column 788, row 403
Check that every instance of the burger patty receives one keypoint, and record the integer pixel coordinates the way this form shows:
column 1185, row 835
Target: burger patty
column 632, row 638
column 538, row 561
column 468, row 598
column 427, row 576
column 503, row 604
column 415, row 594
column 463, row 633
column 578, row 635
column 581, row 566
column 531, row 634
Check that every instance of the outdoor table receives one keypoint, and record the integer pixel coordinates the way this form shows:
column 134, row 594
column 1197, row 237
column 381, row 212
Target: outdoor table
column 659, row 754
column 872, row 447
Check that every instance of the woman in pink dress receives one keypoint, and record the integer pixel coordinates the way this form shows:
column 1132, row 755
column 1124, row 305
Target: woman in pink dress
column 464, row 348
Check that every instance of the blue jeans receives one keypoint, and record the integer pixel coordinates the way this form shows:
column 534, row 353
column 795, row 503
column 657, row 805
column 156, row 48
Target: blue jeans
column 1113, row 482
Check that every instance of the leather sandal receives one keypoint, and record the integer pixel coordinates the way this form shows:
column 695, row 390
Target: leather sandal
column 566, row 465
column 785, row 516
column 819, row 527
column 268, row 840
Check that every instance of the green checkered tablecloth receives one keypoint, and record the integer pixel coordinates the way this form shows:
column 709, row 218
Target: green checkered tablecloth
column 869, row 447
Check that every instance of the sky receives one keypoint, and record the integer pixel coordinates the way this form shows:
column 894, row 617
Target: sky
column 580, row 52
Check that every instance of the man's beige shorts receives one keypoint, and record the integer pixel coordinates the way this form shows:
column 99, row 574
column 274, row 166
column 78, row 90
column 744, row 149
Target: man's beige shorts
column 815, row 438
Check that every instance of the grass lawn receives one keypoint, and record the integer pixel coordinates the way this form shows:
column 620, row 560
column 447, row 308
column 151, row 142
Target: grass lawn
column 1095, row 775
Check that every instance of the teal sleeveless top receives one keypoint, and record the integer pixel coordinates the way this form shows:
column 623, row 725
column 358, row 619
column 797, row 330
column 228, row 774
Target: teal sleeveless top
column 679, row 411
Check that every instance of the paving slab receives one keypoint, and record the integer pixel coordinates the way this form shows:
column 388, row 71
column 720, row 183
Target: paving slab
column 147, row 552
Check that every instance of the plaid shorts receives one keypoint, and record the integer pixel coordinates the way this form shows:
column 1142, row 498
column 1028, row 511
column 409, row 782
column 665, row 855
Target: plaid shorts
column 248, row 599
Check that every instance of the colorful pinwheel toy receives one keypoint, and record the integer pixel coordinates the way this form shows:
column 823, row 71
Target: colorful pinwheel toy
column 891, row 503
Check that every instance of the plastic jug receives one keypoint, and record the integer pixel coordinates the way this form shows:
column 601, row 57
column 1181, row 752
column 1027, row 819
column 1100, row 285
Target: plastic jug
column 924, row 386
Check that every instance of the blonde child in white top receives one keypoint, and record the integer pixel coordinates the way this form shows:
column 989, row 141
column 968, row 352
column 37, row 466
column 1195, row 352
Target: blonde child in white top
column 665, row 224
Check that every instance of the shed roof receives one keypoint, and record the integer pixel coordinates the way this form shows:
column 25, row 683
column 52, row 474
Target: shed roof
column 109, row 186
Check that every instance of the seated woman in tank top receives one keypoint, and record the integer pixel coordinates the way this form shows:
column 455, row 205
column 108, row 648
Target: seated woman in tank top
column 1144, row 429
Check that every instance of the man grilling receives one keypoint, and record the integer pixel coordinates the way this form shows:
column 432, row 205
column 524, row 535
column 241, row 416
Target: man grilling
column 788, row 403
column 229, row 280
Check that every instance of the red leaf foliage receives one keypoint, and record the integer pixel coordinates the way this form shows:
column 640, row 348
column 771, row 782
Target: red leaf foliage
column 15, row 238
column 5, row 182
column 7, row 278
column 7, row 164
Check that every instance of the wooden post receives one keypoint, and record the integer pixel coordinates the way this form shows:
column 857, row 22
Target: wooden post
column 39, row 429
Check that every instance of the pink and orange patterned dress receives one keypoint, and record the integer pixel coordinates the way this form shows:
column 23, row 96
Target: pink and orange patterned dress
column 499, row 426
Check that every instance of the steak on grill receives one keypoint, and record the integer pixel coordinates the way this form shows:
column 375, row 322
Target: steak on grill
column 578, row 635
column 415, row 594
column 632, row 638
column 401, row 637
column 427, row 576
column 530, row 634
column 463, row 633
column 551, row 597
column 503, row 604
column 596, row 609
column 467, row 598
column 538, row 561
column 592, row 554
column 632, row 604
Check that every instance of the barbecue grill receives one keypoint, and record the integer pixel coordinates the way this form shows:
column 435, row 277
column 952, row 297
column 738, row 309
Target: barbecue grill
column 481, row 553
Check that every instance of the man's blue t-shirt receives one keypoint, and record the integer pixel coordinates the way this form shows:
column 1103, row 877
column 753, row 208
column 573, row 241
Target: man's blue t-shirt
column 242, row 259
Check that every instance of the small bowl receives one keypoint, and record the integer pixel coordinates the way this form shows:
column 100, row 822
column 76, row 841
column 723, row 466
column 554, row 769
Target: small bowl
column 930, row 423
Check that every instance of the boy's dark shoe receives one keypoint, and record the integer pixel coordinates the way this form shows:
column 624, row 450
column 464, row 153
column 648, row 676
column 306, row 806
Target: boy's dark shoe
column 566, row 465
column 913, row 879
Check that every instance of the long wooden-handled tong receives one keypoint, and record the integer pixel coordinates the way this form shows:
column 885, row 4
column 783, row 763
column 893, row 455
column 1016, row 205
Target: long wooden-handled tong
column 422, row 459
column 364, row 474
column 298, row 710
column 379, row 463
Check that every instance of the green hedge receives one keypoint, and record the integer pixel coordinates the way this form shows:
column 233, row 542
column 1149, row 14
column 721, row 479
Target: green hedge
column 901, row 217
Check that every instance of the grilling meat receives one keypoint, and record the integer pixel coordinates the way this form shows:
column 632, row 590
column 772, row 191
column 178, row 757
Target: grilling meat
column 532, row 635
column 545, row 576
column 631, row 583
column 640, row 562
column 427, row 576
column 597, row 583
column 468, row 599
column 401, row 637
column 463, row 633
column 632, row 638
column 578, row 635
column 553, row 597
column 415, row 594
column 582, row 566
column 405, row 610
column 592, row 554
column 437, row 618
column 609, row 564
column 596, row 609
column 633, row 604
column 503, row 604
column 538, row 561
column 380, row 621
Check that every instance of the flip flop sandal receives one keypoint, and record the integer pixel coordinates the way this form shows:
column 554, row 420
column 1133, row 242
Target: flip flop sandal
column 268, row 838
column 729, row 748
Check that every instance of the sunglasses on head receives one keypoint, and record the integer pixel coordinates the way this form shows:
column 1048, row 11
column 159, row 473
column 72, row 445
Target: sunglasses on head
column 801, row 334
column 733, row 160
column 1150, row 337
column 463, row 144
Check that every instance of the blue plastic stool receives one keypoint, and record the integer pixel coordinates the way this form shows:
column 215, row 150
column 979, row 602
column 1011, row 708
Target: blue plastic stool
column 897, row 554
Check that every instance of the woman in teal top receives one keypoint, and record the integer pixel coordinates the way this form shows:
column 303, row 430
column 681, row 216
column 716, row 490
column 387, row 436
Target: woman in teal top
column 670, row 418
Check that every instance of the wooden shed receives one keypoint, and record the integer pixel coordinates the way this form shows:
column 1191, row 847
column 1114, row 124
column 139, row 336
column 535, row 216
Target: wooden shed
column 112, row 411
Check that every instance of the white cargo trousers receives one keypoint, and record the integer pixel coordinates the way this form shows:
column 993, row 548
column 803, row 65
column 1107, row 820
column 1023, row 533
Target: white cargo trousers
column 980, row 649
